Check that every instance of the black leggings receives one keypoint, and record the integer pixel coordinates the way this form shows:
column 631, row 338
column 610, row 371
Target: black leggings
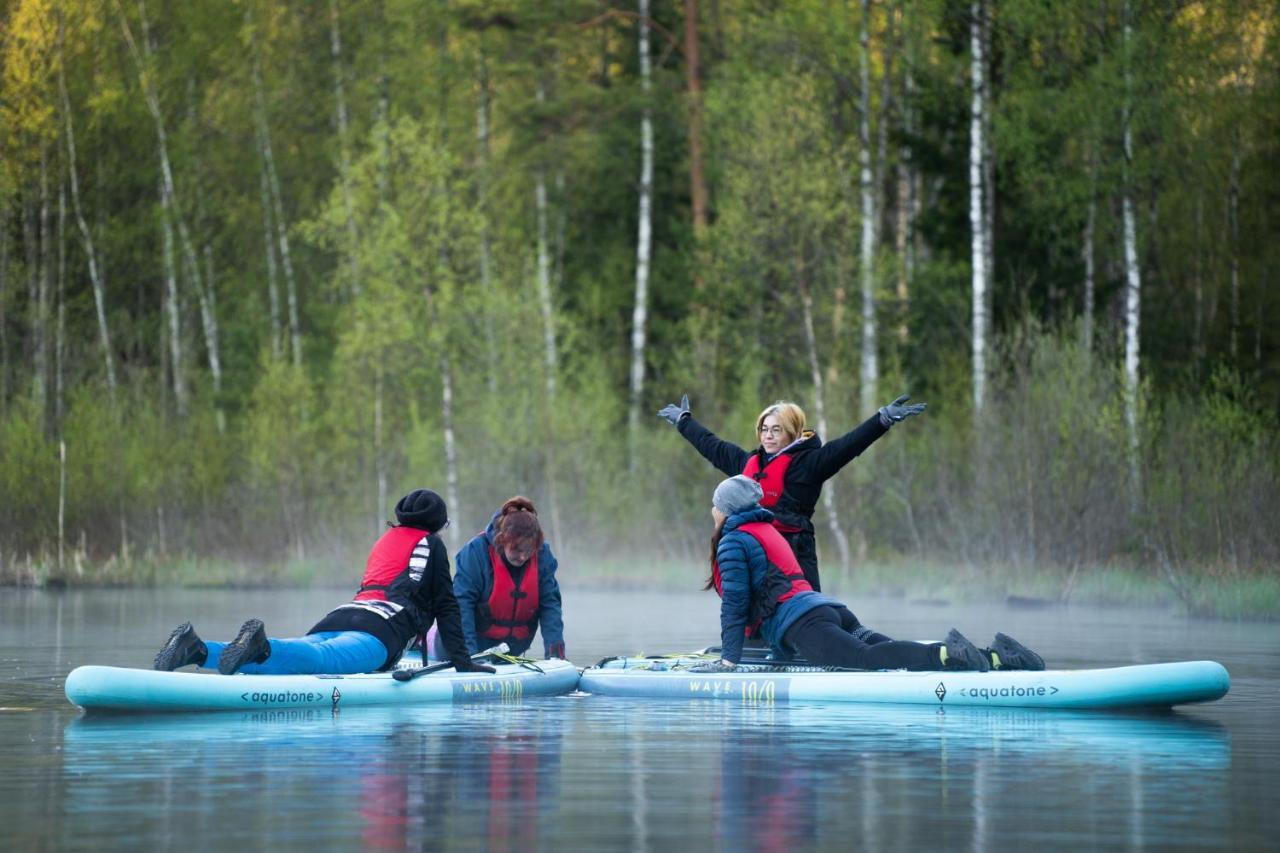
column 830, row 635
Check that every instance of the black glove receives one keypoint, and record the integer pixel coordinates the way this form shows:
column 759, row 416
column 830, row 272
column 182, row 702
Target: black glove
column 468, row 665
column 897, row 411
column 673, row 413
column 714, row 666
column 556, row 650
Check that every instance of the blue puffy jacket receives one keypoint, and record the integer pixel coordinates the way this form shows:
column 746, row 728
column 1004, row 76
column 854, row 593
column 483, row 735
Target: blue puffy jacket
column 743, row 565
column 473, row 584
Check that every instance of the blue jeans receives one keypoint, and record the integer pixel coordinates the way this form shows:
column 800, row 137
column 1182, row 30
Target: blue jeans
column 328, row 652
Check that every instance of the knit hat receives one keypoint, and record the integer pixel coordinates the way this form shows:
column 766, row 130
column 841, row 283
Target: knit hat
column 737, row 494
column 423, row 509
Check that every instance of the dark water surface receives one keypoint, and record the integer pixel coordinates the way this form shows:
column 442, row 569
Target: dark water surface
column 592, row 773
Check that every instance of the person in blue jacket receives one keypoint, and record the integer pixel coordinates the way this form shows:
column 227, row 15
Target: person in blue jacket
column 506, row 584
column 764, row 593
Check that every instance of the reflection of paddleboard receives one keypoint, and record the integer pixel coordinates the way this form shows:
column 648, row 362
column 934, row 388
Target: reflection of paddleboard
column 1150, row 685
column 110, row 688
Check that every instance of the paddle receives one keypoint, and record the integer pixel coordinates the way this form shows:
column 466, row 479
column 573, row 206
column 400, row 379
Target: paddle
column 410, row 674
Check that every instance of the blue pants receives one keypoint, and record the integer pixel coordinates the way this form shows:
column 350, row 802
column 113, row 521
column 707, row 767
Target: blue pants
column 328, row 652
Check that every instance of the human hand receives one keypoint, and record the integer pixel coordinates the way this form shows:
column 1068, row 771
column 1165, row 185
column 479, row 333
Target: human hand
column 674, row 413
column 721, row 665
column 468, row 665
column 899, row 411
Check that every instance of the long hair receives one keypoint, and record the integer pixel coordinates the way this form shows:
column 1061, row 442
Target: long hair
column 518, row 523
column 790, row 417
column 715, row 546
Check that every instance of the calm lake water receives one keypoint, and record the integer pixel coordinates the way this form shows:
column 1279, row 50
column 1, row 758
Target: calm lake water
column 593, row 773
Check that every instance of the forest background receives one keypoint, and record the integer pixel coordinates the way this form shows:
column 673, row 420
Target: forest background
column 264, row 266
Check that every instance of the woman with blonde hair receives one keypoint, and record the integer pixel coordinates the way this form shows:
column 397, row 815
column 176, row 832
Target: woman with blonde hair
column 791, row 463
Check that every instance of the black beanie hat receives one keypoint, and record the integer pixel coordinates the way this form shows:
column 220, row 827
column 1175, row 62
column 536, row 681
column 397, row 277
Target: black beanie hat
column 423, row 509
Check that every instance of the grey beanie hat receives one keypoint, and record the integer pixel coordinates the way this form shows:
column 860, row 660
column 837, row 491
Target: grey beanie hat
column 736, row 494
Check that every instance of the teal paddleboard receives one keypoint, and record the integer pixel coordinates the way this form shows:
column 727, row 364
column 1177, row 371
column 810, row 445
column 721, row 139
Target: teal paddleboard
column 110, row 688
column 1159, row 685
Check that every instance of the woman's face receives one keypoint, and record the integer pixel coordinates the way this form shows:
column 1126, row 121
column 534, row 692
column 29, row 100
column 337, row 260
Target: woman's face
column 518, row 553
column 772, row 436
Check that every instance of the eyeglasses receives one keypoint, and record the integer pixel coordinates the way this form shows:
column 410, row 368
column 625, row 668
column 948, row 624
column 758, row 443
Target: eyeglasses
column 776, row 429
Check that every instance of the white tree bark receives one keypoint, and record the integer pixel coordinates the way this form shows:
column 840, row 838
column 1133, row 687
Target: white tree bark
column 344, row 148
column 1088, row 256
column 977, row 216
column 482, row 192
column 172, row 304
column 1133, row 275
column 870, row 368
column 905, row 236
column 86, row 236
column 60, row 326
column 174, row 211
column 545, row 299
column 1233, row 212
column 273, row 284
column 277, row 208
column 820, row 411
column 450, row 447
column 644, row 242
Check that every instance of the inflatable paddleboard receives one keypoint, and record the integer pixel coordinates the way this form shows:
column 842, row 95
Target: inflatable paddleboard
column 1159, row 685
column 110, row 688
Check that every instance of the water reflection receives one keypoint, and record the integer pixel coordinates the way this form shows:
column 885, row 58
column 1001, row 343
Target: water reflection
column 423, row 778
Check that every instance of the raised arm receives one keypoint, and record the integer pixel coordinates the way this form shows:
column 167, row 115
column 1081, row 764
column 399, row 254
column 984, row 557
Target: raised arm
column 725, row 455
column 835, row 454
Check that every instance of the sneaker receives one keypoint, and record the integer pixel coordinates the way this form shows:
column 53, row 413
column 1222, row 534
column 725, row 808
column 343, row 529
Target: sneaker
column 249, row 646
column 182, row 648
column 1014, row 655
column 962, row 654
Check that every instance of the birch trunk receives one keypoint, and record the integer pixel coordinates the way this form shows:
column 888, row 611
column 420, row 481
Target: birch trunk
column 450, row 446
column 870, row 368
column 905, row 232
column 172, row 304
column 273, row 284
column 1233, row 203
column 40, row 304
column 379, row 454
column 977, row 216
column 344, row 148
column 697, row 176
column 60, row 327
column 277, row 210
column 1133, row 276
column 644, row 240
column 1197, row 345
column 86, row 236
column 820, row 410
column 1087, row 255
column 545, row 301
column 174, row 210
column 988, row 164
column 482, row 193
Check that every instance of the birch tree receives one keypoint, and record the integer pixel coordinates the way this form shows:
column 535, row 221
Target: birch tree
column 86, row 236
column 344, row 145
column 977, row 212
column 644, row 238
column 870, row 369
column 1133, row 274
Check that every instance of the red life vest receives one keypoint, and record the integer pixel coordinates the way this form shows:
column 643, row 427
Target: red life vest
column 513, row 609
column 772, row 479
column 400, row 549
column 783, row 579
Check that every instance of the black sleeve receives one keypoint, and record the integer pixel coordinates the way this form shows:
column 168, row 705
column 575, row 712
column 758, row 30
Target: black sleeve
column 725, row 455
column 437, row 590
column 824, row 462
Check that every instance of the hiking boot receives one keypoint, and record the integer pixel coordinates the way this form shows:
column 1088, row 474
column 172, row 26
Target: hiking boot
column 249, row 646
column 1008, row 653
column 962, row 654
column 182, row 648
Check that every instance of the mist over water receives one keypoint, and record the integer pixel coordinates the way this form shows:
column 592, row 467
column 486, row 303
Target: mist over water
column 590, row 772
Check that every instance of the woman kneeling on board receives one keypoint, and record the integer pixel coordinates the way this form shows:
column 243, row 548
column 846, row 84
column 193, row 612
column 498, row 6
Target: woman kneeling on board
column 506, row 584
column 406, row 586
column 763, row 591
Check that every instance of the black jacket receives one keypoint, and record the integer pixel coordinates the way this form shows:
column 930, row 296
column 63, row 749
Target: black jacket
column 425, row 598
column 812, row 464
